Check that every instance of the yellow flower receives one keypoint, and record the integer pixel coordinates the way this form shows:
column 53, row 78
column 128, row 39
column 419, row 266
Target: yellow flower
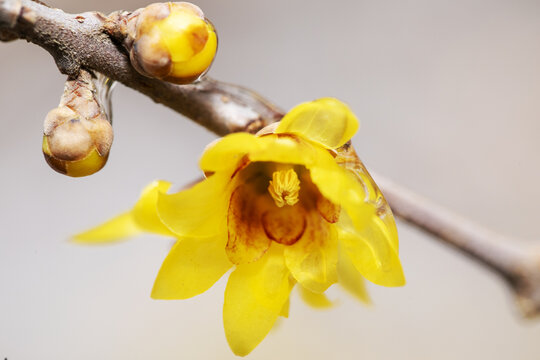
column 291, row 205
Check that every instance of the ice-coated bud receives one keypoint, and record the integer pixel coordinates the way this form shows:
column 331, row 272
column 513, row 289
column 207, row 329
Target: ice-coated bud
column 171, row 41
column 74, row 145
column 77, row 135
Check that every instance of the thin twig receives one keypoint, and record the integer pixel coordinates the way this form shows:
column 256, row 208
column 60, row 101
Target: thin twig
column 509, row 258
column 83, row 41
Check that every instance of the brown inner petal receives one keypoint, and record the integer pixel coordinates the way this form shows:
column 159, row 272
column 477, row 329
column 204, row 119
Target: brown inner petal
column 285, row 225
column 328, row 210
column 254, row 219
column 247, row 239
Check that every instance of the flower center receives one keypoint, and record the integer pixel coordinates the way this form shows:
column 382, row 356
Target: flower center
column 284, row 187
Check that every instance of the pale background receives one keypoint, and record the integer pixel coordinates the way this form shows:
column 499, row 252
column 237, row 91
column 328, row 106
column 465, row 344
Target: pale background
column 448, row 93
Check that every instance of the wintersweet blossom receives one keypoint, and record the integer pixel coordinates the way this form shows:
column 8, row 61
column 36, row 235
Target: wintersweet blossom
column 289, row 206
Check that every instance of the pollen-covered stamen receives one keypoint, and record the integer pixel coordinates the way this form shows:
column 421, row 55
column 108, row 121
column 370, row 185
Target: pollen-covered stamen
column 284, row 187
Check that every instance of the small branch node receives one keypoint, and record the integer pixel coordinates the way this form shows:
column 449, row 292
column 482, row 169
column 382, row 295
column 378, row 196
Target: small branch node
column 526, row 285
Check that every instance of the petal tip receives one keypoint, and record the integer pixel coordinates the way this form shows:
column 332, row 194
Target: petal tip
column 326, row 121
column 114, row 230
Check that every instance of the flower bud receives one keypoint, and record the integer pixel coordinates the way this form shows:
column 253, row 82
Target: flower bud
column 78, row 134
column 171, row 41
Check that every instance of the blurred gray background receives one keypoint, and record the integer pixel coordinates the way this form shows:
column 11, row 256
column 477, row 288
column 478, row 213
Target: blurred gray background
column 448, row 93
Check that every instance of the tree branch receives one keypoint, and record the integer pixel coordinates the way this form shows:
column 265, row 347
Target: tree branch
column 86, row 41
column 509, row 258
column 78, row 41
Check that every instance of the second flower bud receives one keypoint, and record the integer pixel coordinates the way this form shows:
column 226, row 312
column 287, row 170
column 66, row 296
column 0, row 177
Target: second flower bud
column 171, row 41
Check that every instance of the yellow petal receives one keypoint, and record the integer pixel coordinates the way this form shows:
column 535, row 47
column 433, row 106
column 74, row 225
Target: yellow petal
column 254, row 298
column 349, row 278
column 145, row 210
column 315, row 300
column 312, row 260
column 289, row 149
column 368, row 226
column 341, row 187
column 371, row 252
column 285, row 309
column 142, row 218
column 227, row 152
column 233, row 150
column 326, row 121
column 118, row 228
column 347, row 159
column 192, row 267
column 199, row 211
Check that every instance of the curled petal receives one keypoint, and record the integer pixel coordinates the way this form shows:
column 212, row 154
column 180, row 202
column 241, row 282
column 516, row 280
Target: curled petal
column 192, row 267
column 326, row 121
column 227, row 152
column 312, row 259
column 371, row 252
column 231, row 151
column 145, row 210
column 198, row 211
column 347, row 159
column 254, row 298
column 367, row 227
column 289, row 149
